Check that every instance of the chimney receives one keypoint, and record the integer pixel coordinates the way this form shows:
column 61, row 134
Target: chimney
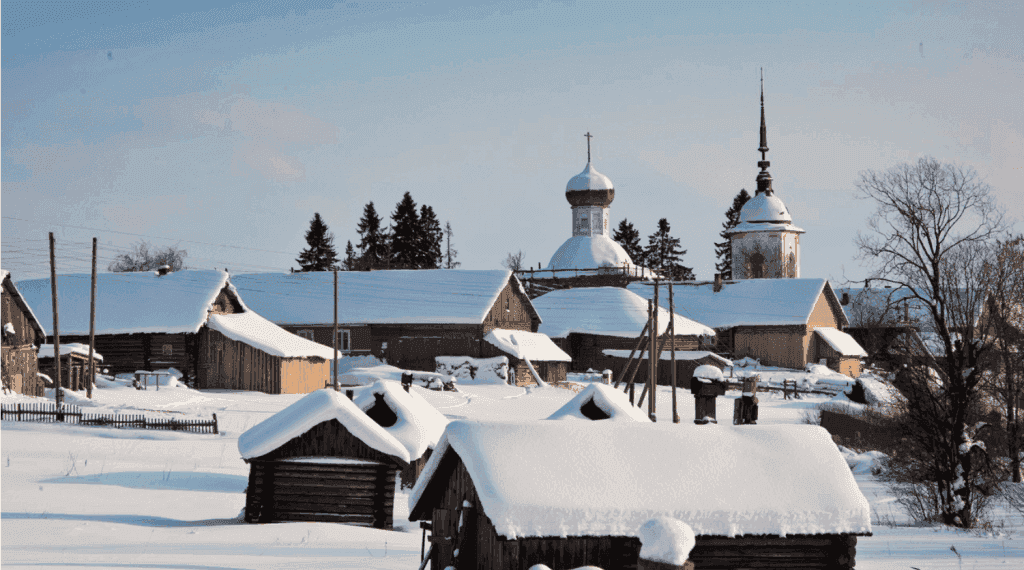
column 718, row 282
column 163, row 270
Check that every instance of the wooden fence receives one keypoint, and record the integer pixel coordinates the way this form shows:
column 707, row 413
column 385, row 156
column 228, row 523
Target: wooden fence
column 73, row 415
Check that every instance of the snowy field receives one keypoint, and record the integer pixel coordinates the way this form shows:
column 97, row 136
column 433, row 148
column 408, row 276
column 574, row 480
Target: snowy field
column 89, row 497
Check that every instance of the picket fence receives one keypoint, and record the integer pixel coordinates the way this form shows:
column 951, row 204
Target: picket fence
column 73, row 415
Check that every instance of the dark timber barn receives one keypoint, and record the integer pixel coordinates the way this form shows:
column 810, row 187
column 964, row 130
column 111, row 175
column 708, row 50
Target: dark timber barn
column 575, row 493
column 404, row 317
column 193, row 321
column 22, row 335
column 322, row 459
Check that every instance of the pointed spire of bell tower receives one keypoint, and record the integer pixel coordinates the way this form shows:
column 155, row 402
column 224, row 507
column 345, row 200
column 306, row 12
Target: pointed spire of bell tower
column 764, row 179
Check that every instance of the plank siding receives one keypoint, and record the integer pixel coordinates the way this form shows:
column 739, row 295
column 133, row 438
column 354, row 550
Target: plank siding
column 233, row 365
column 20, row 366
column 587, row 350
column 784, row 346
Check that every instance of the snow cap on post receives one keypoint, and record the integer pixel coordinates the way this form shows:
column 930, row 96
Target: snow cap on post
column 707, row 372
column 666, row 540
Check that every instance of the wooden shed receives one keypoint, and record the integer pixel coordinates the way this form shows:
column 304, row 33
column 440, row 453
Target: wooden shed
column 570, row 494
column 74, row 365
column 193, row 321
column 772, row 320
column 22, row 336
column 408, row 417
column 588, row 322
column 404, row 317
column 321, row 459
column 525, row 349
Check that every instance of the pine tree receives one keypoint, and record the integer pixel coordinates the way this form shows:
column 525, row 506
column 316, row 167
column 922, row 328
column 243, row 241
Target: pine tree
column 664, row 255
column 723, row 249
column 450, row 252
column 629, row 238
column 351, row 260
column 405, row 234
column 430, row 238
column 320, row 255
column 373, row 243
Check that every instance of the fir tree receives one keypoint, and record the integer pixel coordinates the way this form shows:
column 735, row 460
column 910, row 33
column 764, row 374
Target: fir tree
column 664, row 255
column 405, row 234
column 351, row 260
column 723, row 249
column 629, row 238
column 320, row 255
column 373, row 243
column 450, row 252
column 430, row 238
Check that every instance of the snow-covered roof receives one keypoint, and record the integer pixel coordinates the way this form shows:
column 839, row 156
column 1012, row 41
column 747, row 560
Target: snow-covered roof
column 258, row 332
column 527, row 345
column 749, row 302
column 667, row 355
column 4, row 274
column 419, row 424
column 589, row 179
column 313, row 409
column 841, row 342
column 367, row 375
column 139, row 302
column 46, row 350
column 396, row 296
column 608, row 311
column 614, row 403
column 764, row 207
column 590, row 252
column 614, row 476
column 744, row 227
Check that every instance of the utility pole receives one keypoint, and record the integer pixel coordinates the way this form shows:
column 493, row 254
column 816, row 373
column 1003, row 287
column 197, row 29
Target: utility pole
column 335, row 367
column 92, row 326
column 672, row 329
column 653, row 311
column 58, row 391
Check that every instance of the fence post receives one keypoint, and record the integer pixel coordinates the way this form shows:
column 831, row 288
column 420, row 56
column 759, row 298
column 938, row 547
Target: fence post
column 19, row 412
column 215, row 423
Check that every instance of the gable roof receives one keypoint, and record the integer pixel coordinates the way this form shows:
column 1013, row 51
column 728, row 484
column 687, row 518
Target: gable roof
column 608, row 311
column 841, row 342
column 609, row 400
column 5, row 277
column 313, row 409
column 749, row 302
column 419, row 425
column 529, row 345
column 614, row 476
column 396, row 296
column 138, row 302
column 258, row 332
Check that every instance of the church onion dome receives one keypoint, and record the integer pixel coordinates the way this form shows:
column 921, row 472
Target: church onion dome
column 589, row 179
column 765, row 208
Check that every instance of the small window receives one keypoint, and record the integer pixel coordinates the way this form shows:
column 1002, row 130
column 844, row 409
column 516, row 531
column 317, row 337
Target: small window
column 344, row 341
column 168, row 350
column 508, row 306
column 306, row 334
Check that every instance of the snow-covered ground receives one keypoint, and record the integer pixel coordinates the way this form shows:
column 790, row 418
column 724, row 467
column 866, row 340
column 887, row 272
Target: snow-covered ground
column 90, row 497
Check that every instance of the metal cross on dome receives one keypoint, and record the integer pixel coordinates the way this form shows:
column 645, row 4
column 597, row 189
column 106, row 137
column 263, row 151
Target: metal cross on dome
column 589, row 136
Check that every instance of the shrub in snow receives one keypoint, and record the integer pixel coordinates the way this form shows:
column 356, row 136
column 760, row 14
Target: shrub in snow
column 469, row 370
column 668, row 540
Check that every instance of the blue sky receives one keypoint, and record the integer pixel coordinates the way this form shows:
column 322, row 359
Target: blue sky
column 223, row 126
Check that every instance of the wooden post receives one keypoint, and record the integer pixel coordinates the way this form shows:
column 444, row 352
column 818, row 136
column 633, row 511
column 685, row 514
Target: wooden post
column 335, row 367
column 58, row 393
column 639, row 341
column 672, row 328
column 652, row 353
column 92, row 326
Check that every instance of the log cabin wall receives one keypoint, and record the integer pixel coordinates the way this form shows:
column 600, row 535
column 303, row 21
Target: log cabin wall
column 74, row 370
column 587, row 350
column 784, row 346
column 414, row 347
column 359, row 336
column 19, row 359
column 126, row 353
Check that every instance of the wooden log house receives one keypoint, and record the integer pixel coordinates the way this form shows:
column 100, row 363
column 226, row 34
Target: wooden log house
column 686, row 362
column 22, row 335
column 403, row 317
column 588, row 322
column 193, row 321
column 570, row 494
column 772, row 320
column 322, row 459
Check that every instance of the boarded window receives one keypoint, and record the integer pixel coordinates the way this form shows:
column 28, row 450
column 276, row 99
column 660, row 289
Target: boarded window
column 167, row 349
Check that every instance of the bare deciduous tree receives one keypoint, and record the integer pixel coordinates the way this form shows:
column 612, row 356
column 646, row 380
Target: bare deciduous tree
column 931, row 222
column 144, row 257
column 513, row 261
